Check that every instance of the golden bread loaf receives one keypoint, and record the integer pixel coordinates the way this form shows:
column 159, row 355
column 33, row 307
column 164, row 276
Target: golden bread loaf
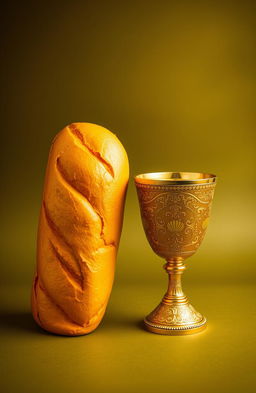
column 79, row 229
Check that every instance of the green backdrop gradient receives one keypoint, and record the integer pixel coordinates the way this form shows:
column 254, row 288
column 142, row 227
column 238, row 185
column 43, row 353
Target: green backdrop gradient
column 175, row 80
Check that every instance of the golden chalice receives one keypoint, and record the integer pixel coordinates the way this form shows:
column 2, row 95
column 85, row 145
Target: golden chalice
column 175, row 209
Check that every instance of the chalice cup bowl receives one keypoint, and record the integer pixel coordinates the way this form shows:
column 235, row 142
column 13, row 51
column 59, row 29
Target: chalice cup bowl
column 175, row 209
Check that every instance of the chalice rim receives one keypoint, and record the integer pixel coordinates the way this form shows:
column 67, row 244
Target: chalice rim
column 175, row 178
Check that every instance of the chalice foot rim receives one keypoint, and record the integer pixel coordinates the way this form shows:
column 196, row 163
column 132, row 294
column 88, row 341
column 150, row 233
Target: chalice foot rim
column 175, row 330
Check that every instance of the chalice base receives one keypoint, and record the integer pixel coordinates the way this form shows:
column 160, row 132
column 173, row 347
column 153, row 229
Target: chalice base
column 175, row 319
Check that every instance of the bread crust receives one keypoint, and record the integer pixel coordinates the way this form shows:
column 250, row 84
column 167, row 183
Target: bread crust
column 79, row 229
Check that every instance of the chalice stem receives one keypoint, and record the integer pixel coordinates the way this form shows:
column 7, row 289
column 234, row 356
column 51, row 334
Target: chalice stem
column 175, row 315
column 174, row 294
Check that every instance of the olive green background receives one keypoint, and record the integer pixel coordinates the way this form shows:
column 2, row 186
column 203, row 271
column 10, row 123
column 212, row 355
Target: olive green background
column 176, row 82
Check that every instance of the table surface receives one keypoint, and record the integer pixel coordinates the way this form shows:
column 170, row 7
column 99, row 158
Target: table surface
column 120, row 356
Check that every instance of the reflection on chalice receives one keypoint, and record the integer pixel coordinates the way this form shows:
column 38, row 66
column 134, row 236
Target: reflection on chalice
column 175, row 209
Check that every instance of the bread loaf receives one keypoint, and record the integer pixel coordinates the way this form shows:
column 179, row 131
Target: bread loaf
column 79, row 229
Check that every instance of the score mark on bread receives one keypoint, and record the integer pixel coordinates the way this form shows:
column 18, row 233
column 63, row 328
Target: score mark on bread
column 75, row 131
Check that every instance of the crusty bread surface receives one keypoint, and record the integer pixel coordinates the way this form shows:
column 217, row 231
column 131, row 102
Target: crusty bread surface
column 79, row 229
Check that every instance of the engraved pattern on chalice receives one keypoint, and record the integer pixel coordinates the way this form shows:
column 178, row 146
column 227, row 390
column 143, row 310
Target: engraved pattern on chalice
column 175, row 209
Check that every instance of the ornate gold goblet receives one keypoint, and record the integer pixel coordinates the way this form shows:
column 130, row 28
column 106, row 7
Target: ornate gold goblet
column 175, row 209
